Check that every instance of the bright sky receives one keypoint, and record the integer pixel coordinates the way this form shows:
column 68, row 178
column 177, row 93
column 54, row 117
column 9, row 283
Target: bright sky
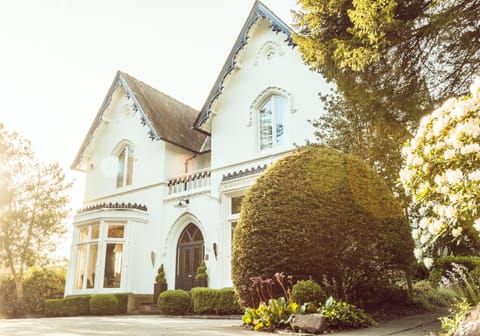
column 58, row 59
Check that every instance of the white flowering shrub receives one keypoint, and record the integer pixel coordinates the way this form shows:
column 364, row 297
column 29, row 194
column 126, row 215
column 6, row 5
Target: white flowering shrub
column 442, row 174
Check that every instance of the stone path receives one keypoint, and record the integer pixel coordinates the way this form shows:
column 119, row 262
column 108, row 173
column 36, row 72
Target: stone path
column 154, row 325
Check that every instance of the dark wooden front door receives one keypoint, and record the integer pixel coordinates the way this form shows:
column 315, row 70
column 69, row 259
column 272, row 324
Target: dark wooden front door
column 189, row 256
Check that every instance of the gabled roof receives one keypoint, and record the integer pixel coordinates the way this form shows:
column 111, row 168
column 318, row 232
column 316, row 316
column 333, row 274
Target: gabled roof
column 166, row 118
column 259, row 10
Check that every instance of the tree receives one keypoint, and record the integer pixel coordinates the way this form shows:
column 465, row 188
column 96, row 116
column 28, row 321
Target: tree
column 442, row 174
column 393, row 41
column 366, row 133
column 391, row 61
column 33, row 206
column 321, row 213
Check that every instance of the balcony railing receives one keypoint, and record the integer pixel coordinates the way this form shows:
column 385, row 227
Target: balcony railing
column 184, row 183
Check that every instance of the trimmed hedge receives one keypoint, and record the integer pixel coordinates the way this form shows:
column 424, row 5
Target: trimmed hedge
column 322, row 214
column 215, row 301
column 122, row 302
column 443, row 264
column 69, row 306
column 174, row 302
column 103, row 304
column 81, row 304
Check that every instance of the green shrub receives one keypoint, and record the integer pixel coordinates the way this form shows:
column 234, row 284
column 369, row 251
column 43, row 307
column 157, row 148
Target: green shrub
column 76, row 305
column 308, row 291
column 215, row 301
column 54, row 307
column 42, row 284
column 201, row 272
column 103, row 304
column 340, row 315
column 318, row 212
column 431, row 298
column 39, row 285
column 8, row 298
column 160, row 278
column 122, row 302
column 443, row 265
column 174, row 302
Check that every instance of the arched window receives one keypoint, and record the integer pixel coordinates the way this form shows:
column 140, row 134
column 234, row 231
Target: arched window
column 124, row 166
column 272, row 122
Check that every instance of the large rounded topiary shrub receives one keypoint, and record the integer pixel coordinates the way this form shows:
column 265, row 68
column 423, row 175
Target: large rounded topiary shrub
column 322, row 214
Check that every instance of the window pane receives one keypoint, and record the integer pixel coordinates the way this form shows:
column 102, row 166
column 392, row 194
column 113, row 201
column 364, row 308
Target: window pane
column 280, row 119
column 95, row 231
column 113, row 266
column 92, row 263
column 83, row 234
column 129, row 169
column 121, row 168
column 236, row 204
column 266, row 134
column 233, row 224
column 115, row 230
column 80, row 268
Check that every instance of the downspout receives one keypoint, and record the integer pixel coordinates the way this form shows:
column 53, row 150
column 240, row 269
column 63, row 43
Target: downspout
column 188, row 160
column 186, row 169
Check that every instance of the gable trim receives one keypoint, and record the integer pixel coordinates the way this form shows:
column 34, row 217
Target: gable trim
column 118, row 81
column 259, row 11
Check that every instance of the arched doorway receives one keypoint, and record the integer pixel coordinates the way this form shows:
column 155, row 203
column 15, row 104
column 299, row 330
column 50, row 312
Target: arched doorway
column 190, row 251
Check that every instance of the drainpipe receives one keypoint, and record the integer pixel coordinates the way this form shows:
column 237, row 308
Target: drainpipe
column 189, row 159
column 186, row 168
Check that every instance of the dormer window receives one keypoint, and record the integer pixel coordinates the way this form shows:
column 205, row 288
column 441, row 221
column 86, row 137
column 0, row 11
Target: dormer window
column 125, row 167
column 272, row 122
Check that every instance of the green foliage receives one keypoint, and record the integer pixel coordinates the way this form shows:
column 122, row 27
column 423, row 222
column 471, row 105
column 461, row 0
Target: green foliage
column 68, row 306
column 201, row 272
column 451, row 322
column 122, row 302
column 341, row 315
column 174, row 302
column 444, row 264
column 215, row 301
column 391, row 44
column 267, row 317
column 39, row 285
column 307, row 291
column 441, row 174
column 33, row 207
column 8, row 298
column 431, row 298
column 331, row 205
column 160, row 278
column 103, row 304
column 42, row 284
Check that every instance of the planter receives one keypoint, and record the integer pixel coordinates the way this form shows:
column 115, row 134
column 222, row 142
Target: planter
column 200, row 283
column 157, row 289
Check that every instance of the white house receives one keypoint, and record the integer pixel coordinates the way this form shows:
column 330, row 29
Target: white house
column 164, row 182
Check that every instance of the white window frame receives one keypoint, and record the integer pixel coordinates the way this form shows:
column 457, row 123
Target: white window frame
column 87, row 243
column 126, row 177
column 99, row 268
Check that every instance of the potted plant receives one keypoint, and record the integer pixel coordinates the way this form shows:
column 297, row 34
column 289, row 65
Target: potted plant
column 160, row 284
column 201, row 277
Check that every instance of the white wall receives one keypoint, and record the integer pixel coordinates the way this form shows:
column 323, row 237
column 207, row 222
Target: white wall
column 122, row 124
column 234, row 141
